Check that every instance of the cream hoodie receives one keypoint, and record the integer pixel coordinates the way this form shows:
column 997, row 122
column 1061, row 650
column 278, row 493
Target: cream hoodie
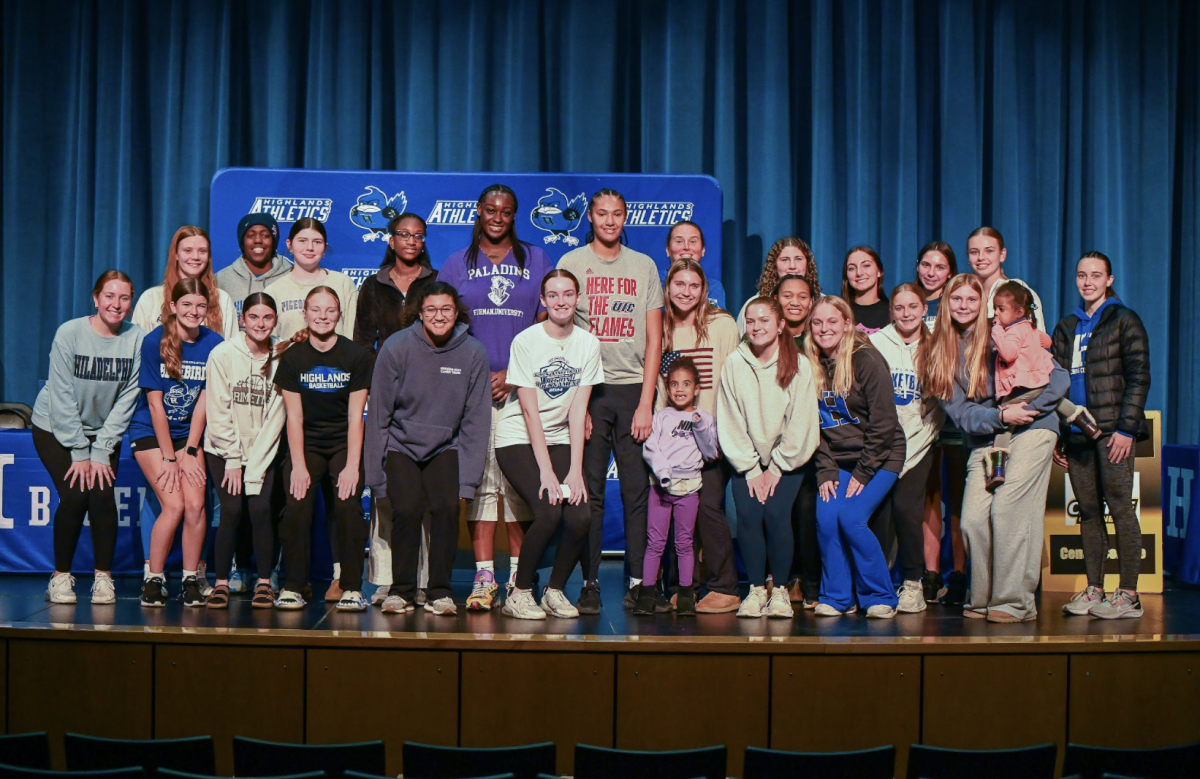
column 245, row 411
column 761, row 424
column 921, row 419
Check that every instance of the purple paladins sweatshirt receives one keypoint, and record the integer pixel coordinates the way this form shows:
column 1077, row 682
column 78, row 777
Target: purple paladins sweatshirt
column 678, row 446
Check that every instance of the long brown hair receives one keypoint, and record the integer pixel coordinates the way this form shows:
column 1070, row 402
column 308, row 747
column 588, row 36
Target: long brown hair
column 262, row 299
column 788, row 364
column 848, row 292
column 706, row 312
column 944, row 367
column 768, row 282
column 924, row 337
column 852, row 341
column 171, row 349
column 172, row 275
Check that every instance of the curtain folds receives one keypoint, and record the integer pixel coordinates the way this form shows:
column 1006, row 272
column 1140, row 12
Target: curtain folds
column 1067, row 125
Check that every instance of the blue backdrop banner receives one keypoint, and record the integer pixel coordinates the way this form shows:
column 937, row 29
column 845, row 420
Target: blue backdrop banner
column 356, row 205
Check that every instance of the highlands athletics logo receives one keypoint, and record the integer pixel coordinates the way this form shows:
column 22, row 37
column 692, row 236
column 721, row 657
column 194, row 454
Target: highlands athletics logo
column 558, row 216
column 374, row 209
column 290, row 209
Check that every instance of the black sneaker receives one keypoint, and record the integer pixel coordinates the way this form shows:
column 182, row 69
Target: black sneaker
column 589, row 599
column 662, row 601
column 631, row 597
column 956, row 589
column 646, row 600
column 685, row 602
column 190, row 594
column 934, row 586
column 154, row 593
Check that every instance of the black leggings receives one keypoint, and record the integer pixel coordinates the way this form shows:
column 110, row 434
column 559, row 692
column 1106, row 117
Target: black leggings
column 414, row 488
column 520, row 467
column 295, row 528
column 806, row 558
column 233, row 508
column 907, row 510
column 98, row 504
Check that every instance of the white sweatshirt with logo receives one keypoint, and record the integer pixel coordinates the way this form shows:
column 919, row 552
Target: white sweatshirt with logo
column 921, row 420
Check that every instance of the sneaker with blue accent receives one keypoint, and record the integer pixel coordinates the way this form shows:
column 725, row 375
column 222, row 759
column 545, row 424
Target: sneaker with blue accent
column 289, row 600
column 483, row 592
column 1122, row 604
column 352, row 600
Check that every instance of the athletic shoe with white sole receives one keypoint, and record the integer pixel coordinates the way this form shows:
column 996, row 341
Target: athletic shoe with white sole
column 825, row 610
column 555, row 603
column 780, row 604
column 191, row 592
column 443, row 607
column 912, row 597
column 755, row 604
column 289, row 600
column 1122, row 604
column 483, row 592
column 1084, row 601
column 521, row 605
column 881, row 611
column 61, row 589
column 104, row 591
column 352, row 600
column 394, row 604
column 154, row 592
column 382, row 592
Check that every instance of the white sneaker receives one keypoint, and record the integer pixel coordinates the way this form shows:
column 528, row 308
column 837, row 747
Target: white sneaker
column 443, row 607
column 103, row 591
column 521, row 605
column 912, row 597
column 352, row 600
column 288, row 600
column 381, row 594
column 61, row 589
column 394, row 604
column 202, row 579
column 881, row 611
column 755, row 604
column 1082, row 602
column 555, row 603
column 780, row 605
column 825, row 610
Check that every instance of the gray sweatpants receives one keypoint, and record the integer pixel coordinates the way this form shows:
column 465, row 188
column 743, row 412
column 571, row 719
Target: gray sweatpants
column 1003, row 530
column 1095, row 479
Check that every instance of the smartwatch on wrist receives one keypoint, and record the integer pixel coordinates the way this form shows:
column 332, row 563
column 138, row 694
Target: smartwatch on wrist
column 191, row 451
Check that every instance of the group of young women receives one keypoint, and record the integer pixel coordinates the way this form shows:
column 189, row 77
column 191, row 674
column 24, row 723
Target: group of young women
column 509, row 384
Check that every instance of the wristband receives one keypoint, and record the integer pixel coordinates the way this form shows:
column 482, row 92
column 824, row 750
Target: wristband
column 1002, row 416
column 168, row 459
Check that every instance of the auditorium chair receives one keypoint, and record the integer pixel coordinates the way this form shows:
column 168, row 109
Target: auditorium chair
column 166, row 773
column 252, row 757
column 601, row 763
column 89, row 753
column 877, row 763
column 25, row 750
column 423, row 761
column 938, row 763
column 17, row 772
column 357, row 775
column 15, row 416
column 1178, row 762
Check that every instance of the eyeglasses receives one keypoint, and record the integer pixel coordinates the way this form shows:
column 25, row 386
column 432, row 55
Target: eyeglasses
column 405, row 236
column 446, row 311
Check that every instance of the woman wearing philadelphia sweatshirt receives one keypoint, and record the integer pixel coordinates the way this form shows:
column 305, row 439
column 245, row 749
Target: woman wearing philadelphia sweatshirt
column 539, row 442
column 245, row 420
column 189, row 257
column 324, row 378
column 1108, row 351
column 860, row 456
column 767, row 428
column 78, row 420
column 165, row 434
column 904, row 344
column 430, row 419
column 1002, row 530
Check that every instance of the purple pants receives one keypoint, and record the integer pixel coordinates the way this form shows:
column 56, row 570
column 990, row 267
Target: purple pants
column 662, row 506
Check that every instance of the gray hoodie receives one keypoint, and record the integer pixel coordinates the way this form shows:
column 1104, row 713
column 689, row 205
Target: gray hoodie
column 239, row 282
column 426, row 399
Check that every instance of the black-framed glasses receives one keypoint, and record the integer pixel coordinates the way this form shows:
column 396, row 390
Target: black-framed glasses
column 404, row 236
column 446, row 311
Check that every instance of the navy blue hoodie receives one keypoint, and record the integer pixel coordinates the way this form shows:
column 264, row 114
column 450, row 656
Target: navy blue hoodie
column 426, row 399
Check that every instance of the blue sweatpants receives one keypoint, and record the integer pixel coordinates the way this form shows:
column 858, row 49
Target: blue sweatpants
column 842, row 534
column 765, row 529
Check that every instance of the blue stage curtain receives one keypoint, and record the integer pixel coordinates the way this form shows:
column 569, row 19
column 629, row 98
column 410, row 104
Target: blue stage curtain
column 1069, row 126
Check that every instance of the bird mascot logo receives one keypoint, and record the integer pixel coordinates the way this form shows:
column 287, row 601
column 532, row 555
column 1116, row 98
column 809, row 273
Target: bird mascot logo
column 558, row 216
column 374, row 210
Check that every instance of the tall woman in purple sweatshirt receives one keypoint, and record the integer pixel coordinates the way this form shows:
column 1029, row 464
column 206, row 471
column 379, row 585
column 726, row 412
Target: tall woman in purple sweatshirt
column 427, row 436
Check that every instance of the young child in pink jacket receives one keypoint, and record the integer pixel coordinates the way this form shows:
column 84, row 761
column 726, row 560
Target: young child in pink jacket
column 1023, row 368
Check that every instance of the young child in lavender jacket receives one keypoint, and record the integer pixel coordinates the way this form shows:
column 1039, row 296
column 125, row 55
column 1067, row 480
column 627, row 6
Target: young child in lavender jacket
column 681, row 440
